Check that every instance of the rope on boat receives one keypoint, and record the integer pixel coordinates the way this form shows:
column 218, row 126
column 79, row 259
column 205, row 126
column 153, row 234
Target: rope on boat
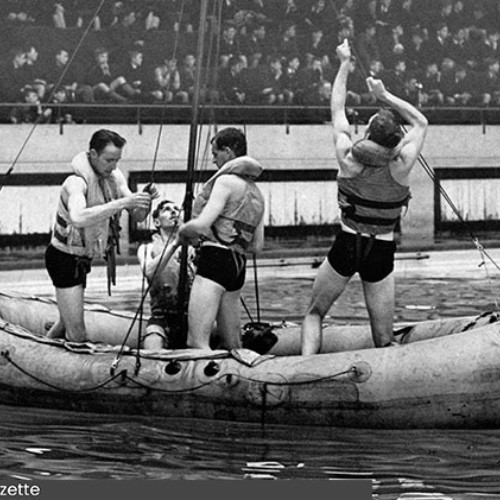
column 124, row 377
column 6, row 355
column 230, row 376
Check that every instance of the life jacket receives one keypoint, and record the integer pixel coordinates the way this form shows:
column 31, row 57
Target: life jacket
column 163, row 288
column 236, row 225
column 372, row 202
column 89, row 241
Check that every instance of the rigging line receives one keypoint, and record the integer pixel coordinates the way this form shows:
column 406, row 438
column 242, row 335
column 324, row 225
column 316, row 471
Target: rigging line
column 256, row 285
column 164, row 106
column 244, row 304
column 52, row 93
column 188, row 198
column 429, row 170
column 155, row 159
column 197, row 178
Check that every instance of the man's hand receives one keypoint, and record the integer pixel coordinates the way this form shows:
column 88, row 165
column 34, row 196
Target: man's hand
column 376, row 87
column 138, row 200
column 152, row 190
column 344, row 51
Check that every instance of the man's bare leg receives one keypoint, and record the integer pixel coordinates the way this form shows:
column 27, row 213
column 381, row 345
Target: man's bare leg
column 379, row 298
column 228, row 320
column 70, row 304
column 203, row 308
column 327, row 288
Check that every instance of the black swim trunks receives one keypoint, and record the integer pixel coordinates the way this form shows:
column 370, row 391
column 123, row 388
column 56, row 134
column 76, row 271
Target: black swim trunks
column 66, row 270
column 222, row 265
column 351, row 253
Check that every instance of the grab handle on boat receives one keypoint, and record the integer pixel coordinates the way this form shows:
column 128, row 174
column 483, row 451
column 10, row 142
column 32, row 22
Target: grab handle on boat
column 361, row 371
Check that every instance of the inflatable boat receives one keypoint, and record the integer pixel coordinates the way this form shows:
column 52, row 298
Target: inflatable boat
column 445, row 373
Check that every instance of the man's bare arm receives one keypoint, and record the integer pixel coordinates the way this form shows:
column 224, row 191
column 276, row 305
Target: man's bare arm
column 414, row 139
column 339, row 93
column 83, row 216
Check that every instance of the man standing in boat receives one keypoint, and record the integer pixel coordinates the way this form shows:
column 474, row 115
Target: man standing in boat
column 227, row 222
column 373, row 188
column 87, row 226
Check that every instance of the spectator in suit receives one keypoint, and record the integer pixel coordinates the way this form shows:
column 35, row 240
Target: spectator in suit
column 229, row 45
column 458, row 17
column 138, row 84
column 416, row 56
column 104, row 80
column 287, row 45
column 14, row 77
column 459, row 49
column 256, row 41
column 231, row 83
column 476, row 50
column 267, row 84
column 321, row 15
column 439, row 44
column 34, row 71
column 490, row 84
column 396, row 80
column 309, row 79
column 32, row 113
column 430, row 79
column 67, row 79
column 315, row 44
column 463, row 89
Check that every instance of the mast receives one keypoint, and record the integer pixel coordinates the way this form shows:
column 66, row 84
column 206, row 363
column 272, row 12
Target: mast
column 193, row 135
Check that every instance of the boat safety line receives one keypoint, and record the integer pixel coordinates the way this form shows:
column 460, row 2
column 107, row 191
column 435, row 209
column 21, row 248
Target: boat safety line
column 230, row 376
column 123, row 376
column 6, row 355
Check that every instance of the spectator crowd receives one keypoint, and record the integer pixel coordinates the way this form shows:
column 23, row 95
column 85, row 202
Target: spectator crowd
column 261, row 52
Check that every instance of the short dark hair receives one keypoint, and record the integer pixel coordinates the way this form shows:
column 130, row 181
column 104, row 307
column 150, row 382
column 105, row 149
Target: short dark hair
column 385, row 129
column 231, row 138
column 103, row 137
column 158, row 209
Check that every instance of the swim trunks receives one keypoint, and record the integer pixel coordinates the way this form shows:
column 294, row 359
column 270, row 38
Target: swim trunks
column 66, row 270
column 372, row 258
column 222, row 265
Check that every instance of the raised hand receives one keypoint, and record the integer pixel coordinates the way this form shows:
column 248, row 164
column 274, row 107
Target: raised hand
column 344, row 51
column 376, row 87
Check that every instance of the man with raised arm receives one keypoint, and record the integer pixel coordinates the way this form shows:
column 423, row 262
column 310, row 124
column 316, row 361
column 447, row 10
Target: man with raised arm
column 373, row 188
column 87, row 226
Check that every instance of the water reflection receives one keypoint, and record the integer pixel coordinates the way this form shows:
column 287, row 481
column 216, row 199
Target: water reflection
column 42, row 444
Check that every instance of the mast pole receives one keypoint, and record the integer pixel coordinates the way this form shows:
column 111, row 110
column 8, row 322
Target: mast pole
column 193, row 135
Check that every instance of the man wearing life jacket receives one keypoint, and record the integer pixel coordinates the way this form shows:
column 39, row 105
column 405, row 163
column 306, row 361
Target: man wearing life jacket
column 227, row 222
column 86, row 226
column 160, row 262
column 373, row 189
